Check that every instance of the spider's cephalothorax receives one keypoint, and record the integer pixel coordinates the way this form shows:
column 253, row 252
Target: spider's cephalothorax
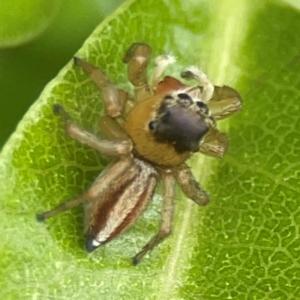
column 182, row 121
column 152, row 134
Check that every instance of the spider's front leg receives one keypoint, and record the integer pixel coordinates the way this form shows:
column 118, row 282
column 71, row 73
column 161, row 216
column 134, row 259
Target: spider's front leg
column 137, row 58
column 166, row 217
column 113, row 97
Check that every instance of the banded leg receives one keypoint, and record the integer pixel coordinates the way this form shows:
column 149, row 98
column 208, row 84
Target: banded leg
column 190, row 186
column 137, row 58
column 112, row 96
column 101, row 184
column 166, row 218
column 113, row 148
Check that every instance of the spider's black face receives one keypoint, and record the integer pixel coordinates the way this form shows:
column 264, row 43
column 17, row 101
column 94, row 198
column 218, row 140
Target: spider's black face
column 181, row 121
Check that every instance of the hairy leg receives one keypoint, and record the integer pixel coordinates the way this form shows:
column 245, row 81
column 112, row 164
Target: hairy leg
column 166, row 218
column 214, row 143
column 111, row 94
column 190, row 186
column 100, row 185
column 137, row 58
column 113, row 148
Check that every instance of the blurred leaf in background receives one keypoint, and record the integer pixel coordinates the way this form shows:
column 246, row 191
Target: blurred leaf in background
column 21, row 21
column 244, row 244
column 37, row 38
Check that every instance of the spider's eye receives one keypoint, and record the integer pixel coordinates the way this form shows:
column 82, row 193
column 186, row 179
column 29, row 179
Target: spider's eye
column 152, row 125
column 168, row 97
column 185, row 96
column 203, row 107
column 185, row 99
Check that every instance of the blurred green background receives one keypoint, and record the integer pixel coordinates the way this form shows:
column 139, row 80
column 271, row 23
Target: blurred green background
column 27, row 67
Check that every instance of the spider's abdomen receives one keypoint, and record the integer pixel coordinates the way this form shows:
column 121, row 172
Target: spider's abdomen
column 119, row 205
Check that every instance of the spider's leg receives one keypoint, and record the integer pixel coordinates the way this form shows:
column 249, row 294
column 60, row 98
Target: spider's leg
column 62, row 207
column 137, row 57
column 112, row 96
column 190, row 186
column 101, row 184
column 113, row 148
column 111, row 128
column 166, row 218
column 225, row 102
column 214, row 143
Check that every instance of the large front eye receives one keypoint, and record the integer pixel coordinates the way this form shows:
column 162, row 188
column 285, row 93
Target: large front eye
column 152, row 125
column 203, row 107
column 185, row 99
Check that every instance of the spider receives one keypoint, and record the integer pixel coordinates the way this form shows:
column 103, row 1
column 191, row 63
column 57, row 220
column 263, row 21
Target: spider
column 151, row 135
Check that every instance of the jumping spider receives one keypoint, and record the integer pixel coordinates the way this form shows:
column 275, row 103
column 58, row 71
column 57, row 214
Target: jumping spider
column 151, row 136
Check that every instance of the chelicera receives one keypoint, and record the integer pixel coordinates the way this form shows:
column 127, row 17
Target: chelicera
column 151, row 135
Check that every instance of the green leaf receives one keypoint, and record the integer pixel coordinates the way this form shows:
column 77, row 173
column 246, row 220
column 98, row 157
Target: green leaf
column 22, row 21
column 245, row 244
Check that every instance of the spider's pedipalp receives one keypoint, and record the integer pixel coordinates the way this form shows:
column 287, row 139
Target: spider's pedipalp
column 161, row 63
column 111, row 128
column 195, row 73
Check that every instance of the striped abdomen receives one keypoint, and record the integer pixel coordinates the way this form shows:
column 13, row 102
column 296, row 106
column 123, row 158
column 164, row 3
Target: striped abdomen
column 120, row 204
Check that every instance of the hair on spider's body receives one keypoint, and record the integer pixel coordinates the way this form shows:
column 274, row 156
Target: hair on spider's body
column 152, row 139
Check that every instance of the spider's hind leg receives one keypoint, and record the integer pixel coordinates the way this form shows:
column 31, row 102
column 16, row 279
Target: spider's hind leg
column 166, row 218
column 112, row 148
column 100, row 185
